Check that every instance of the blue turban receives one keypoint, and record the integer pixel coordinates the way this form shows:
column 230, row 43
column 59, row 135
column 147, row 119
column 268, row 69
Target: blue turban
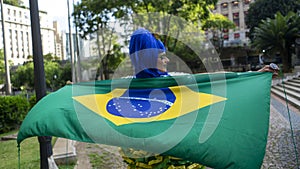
column 144, row 49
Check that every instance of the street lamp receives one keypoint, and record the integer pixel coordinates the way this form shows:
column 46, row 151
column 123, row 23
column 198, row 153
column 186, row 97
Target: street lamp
column 8, row 84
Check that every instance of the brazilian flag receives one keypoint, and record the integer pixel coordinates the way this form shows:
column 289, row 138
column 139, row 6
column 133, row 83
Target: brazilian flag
column 219, row 119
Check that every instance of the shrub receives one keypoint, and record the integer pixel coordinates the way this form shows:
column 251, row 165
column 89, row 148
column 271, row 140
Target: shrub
column 32, row 101
column 13, row 110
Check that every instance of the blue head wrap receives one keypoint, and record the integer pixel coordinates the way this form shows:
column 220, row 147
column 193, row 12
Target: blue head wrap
column 144, row 49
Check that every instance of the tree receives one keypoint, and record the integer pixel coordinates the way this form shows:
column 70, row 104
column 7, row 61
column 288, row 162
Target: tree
column 161, row 17
column 263, row 9
column 13, row 2
column 50, row 57
column 278, row 35
column 170, row 17
column 23, row 76
column 92, row 14
column 112, row 59
column 217, row 24
column 93, row 19
column 56, row 75
column 2, row 67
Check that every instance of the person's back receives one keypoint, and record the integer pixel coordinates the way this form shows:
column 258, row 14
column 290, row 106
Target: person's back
column 149, row 59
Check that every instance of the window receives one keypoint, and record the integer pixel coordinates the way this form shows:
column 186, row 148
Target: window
column 236, row 19
column 235, row 15
column 236, row 35
column 236, row 22
column 10, row 37
column 235, row 4
column 26, row 15
column 16, row 40
column 225, row 37
column 224, row 5
column 246, row 2
column 226, row 15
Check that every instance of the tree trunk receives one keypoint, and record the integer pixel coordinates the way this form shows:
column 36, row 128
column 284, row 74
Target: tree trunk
column 285, row 60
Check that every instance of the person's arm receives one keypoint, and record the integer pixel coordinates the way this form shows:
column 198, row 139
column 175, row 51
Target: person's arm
column 273, row 68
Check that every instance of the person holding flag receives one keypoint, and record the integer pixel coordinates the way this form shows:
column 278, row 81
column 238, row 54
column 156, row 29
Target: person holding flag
column 205, row 118
column 148, row 57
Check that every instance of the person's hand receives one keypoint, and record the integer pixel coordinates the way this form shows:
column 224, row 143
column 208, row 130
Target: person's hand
column 69, row 82
column 273, row 68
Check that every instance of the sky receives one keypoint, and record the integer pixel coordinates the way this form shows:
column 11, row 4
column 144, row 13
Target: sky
column 56, row 9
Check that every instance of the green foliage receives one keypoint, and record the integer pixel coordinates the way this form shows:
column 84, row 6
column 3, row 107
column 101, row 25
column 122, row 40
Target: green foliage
column 13, row 2
column 92, row 15
column 56, row 75
column 217, row 23
column 24, row 76
column 144, row 160
column 50, row 57
column 263, row 9
column 32, row 101
column 2, row 67
column 12, row 112
column 52, row 72
column 112, row 60
column 168, row 18
column 278, row 35
column 96, row 159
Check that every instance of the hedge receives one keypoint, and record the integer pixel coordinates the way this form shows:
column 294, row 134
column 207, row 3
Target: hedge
column 13, row 110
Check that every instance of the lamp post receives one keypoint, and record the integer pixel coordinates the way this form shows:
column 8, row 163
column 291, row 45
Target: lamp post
column 7, row 73
column 39, row 78
column 71, row 45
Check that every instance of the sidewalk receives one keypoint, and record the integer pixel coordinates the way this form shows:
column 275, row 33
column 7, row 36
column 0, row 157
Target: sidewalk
column 280, row 152
column 64, row 151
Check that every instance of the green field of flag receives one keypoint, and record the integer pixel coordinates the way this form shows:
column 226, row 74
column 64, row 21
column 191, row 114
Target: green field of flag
column 219, row 120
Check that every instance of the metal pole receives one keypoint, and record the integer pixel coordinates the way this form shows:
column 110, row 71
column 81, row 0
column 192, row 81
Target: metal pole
column 7, row 72
column 77, row 51
column 71, row 45
column 39, row 77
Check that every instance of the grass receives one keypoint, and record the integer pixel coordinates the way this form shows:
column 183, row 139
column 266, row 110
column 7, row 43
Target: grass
column 30, row 154
column 96, row 159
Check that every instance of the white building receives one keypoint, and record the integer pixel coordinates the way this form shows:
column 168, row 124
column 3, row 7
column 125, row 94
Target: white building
column 59, row 42
column 236, row 11
column 18, row 34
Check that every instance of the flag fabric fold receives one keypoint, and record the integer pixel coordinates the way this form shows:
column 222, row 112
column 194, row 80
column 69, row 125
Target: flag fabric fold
column 219, row 120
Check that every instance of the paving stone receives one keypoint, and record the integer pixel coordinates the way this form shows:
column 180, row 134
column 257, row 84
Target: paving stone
column 280, row 151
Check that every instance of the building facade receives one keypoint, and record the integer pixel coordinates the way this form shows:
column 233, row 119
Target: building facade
column 59, row 42
column 18, row 34
column 236, row 11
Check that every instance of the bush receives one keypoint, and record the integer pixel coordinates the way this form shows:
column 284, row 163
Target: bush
column 13, row 110
column 32, row 101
